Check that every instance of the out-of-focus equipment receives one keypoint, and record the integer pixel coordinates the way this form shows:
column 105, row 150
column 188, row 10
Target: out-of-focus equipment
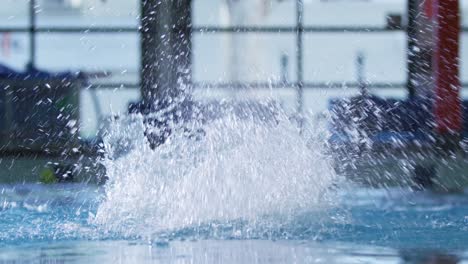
column 39, row 111
column 39, row 124
column 409, row 137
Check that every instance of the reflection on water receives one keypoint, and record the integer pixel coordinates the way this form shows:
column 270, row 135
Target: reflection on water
column 215, row 251
column 430, row 257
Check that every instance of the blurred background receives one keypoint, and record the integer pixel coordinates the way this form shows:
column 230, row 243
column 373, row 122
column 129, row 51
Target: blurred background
column 225, row 62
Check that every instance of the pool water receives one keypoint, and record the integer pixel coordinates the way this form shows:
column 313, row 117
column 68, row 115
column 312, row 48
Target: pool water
column 55, row 224
column 246, row 190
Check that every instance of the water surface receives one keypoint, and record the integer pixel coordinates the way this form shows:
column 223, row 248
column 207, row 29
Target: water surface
column 51, row 223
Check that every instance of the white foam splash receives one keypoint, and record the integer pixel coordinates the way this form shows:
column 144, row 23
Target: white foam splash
column 240, row 169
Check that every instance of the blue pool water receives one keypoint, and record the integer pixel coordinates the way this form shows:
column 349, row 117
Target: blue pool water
column 245, row 191
column 54, row 224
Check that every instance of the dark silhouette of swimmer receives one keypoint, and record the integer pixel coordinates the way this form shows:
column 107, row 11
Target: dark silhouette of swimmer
column 163, row 117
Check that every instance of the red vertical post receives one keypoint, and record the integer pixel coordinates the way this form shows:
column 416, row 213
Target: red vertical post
column 447, row 104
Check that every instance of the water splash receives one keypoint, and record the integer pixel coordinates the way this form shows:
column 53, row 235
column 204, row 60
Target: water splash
column 241, row 168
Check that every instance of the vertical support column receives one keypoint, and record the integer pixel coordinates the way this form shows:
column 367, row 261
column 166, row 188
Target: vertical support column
column 182, row 47
column 299, row 55
column 284, row 66
column 165, row 50
column 411, row 29
column 447, row 105
column 32, row 33
column 361, row 76
column 420, row 42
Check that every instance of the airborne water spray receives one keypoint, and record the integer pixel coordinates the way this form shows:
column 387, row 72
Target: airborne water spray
column 245, row 167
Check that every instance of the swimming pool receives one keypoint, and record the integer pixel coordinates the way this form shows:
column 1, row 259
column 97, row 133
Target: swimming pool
column 53, row 224
column 244, row 192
